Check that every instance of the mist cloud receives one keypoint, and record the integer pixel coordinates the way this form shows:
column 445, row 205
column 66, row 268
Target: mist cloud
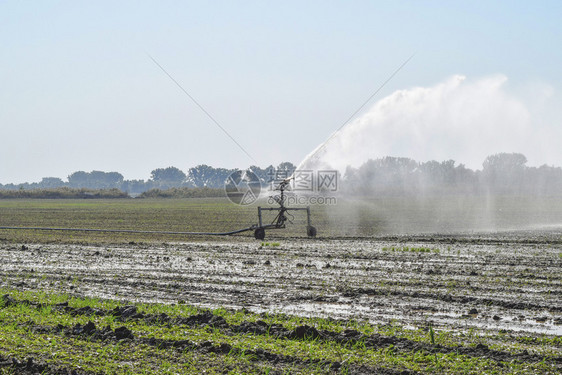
column 459, row 119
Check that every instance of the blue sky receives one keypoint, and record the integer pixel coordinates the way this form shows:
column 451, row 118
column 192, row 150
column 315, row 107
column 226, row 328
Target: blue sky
column 79, row 92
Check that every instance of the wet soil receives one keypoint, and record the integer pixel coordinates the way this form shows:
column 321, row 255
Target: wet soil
column 498, row 282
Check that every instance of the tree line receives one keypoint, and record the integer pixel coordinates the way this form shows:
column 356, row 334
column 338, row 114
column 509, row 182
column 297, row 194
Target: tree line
column 504, row 173
column 201, row 176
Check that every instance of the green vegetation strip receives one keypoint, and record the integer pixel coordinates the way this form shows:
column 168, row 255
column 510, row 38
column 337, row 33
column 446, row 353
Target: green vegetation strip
column 148, row 215
column 102, row 336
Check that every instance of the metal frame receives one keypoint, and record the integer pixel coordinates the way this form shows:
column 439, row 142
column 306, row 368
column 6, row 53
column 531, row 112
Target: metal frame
column 280, row 219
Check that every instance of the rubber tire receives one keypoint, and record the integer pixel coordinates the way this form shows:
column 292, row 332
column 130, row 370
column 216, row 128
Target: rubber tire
column 259, row 234
column 311, row 231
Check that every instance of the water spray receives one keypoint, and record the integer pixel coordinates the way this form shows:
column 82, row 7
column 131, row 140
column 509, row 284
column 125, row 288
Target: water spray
column 323, row 145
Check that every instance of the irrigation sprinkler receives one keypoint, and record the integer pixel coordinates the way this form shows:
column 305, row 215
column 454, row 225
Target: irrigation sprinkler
column 281, row 217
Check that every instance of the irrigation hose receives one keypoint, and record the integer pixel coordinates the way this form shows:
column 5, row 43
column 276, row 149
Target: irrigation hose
column 133, row 231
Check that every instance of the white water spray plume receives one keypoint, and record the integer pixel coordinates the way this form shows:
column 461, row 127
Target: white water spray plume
column 459, row 119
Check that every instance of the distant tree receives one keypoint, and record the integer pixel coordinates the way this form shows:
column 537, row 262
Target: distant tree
column 206, row 176
column 390, row 175
column 395, row 175
column 78, row 179
column 219, row 177
column 505, row 162
column 433, row 173
column 51, row 182
column 105, row 180
column 504, row 171
column 169, row 175
column 262, row 174
column 199, row 175
column 286, row 167
column 466, row 179
column 545, row 180
column 95, row 180
column 389, row 171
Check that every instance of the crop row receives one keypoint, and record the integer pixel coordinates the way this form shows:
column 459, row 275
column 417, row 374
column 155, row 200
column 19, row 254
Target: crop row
column 97, row 336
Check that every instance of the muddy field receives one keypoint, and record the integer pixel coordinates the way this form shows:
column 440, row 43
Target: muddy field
column 510, row 282
column 368, row 295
